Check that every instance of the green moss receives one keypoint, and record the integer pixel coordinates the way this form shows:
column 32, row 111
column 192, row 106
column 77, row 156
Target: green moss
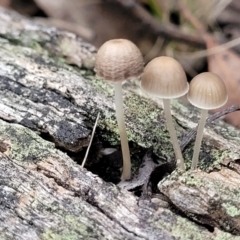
column 4, row 237
column 145, row 121
column 231, row 210
column 102, row 86
column 11, row 39
column 34, row 45
column 25, row 144
column 191, row 181
column 71, row 229
column 25, row 40
column 184, row 229
column 61, row 61
column 210, row 158
column 78, row 226
column 180, row 228
column 146, row 126
column 63, row 235
column 219, row 235
column 219, row 155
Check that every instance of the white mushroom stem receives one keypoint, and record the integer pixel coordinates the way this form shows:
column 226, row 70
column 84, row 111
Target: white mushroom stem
column 173, row 135
column 201, row 125
column 126, row 173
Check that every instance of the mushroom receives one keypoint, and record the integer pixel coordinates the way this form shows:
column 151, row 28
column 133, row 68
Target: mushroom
column 207, row 91
column 118, row 60
column 164, row 77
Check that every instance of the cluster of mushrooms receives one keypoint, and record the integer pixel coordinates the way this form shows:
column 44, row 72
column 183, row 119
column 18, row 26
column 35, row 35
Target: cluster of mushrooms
column 119, row 60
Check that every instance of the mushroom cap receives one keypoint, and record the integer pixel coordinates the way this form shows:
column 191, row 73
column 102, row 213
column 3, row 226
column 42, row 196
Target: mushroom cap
column 207, row 91
column 118, row 60
column 165, row 78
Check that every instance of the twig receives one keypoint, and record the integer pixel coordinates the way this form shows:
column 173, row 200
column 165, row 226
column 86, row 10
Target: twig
column 90, row 143
column 194, row 21
column 168, row 31
column 188, row 16
column 214, row 50
column 187, row 139
column 143, row 174
column 154, row 49
column 233, row 108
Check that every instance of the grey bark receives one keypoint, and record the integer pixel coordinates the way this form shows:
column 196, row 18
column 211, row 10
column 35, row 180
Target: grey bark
column 46, row 103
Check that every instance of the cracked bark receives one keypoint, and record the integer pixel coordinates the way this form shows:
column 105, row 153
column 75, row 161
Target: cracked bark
column 44, row 194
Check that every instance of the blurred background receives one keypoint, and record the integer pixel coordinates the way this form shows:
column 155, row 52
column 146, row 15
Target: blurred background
column 203, row 35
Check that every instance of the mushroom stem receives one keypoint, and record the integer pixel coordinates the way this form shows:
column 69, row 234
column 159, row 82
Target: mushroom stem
column 202, row 122
column 173, row 135
column 126, row 173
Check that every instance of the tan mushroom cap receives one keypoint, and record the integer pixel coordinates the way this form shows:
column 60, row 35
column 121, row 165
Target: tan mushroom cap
column 118, row 60
column 207, row 91
column 165, row 78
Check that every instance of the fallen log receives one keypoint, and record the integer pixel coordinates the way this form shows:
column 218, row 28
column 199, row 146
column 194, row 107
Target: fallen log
column 47, row 111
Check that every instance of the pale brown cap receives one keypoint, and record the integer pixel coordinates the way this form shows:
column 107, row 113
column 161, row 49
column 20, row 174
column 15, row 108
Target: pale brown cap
column 118, row 60
column 165, row 78
column 207, row 91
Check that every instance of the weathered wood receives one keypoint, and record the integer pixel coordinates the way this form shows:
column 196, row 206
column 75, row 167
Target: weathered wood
column 44, row 193
column 210, row 198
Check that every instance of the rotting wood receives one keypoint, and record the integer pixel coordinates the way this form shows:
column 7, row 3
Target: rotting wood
column 44, row 193
column 209, row 198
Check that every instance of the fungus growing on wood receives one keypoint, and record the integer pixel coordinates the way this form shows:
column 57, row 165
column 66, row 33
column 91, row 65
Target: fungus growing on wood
column 207, row 91
column 164, row 77
column 118, row 60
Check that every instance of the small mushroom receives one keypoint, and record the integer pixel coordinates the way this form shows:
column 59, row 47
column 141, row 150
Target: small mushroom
column 118, row 60
column 207, row 91
column 164, row 77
